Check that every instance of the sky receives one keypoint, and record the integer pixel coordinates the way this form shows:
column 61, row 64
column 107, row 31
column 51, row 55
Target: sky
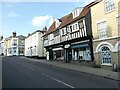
column 24, row 17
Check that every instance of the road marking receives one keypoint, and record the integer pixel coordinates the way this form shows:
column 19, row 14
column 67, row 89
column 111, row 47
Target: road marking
column 28, row 67
column 57, row 80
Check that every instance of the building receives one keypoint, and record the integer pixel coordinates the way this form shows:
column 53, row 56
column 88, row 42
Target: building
column 14, row 45
column 34, row 44
column 1, row 46
column 105, row 22
column 70, row 37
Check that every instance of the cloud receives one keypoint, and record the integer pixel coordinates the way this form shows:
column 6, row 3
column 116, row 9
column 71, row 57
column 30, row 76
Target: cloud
column 85, row 2
column 42, row 21
column 12, row 14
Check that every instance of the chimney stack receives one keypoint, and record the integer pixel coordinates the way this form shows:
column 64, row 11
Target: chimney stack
column 45, row 28
column 1, row 38
column 14, row 34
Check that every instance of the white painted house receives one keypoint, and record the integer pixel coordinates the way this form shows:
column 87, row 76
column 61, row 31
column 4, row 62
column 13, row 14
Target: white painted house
column 1, row 45
column 34, row 44
column 14, row 45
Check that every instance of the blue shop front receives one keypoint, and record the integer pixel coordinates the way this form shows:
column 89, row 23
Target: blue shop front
column 78, row 51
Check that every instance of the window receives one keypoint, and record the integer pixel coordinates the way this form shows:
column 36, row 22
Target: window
column 76, row 26
column 70, row 28
column 81, row 28
column 109, row 5
column 106, row 57
column 73, row 27
column 67, row 29
column 56, row 33
column 14, row 42
column 51, row 37
column 102, row 30
column 21, row 50
column 64, row 32
column 76, row 13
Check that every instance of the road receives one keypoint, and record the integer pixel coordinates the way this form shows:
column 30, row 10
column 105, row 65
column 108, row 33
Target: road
column 19, row 72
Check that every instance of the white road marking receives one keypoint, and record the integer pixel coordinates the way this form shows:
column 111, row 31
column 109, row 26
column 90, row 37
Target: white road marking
column 57, row 80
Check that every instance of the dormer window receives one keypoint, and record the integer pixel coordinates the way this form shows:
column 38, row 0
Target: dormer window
column 76, row 12
column 58, row 22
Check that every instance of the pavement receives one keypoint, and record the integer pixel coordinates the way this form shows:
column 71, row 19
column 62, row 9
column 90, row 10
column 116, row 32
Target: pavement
column 77, row 67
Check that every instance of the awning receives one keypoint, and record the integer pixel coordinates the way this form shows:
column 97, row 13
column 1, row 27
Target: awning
column 56, row 49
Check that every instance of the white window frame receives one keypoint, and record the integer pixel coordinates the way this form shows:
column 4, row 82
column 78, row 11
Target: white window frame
column 103, row 63
column 15, row 41
column 102, row 31
column 109, row 5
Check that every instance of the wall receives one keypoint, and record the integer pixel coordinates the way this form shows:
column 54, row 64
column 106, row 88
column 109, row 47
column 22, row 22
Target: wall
column 98, row 14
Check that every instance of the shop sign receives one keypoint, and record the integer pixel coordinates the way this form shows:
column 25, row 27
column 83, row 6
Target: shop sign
column 79, row 46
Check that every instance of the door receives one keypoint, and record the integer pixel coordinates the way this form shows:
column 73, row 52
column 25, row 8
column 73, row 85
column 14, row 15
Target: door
column 14, row 51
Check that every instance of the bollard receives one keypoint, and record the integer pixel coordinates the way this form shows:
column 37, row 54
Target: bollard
column 114, row 66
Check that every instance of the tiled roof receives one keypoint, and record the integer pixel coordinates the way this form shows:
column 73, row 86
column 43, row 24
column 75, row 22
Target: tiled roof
column 67, row 20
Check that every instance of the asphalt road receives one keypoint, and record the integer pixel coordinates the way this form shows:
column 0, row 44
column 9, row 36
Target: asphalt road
column 21, row 73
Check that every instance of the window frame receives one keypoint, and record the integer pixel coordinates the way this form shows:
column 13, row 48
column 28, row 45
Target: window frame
column 110, row 7
column 102, row 32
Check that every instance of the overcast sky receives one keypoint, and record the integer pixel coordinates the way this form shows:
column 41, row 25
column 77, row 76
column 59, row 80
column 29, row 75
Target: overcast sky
column 28, row 16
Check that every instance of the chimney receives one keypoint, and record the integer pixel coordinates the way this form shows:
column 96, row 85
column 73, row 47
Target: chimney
column 1, row 38
column 14, row 34
column 45, row 28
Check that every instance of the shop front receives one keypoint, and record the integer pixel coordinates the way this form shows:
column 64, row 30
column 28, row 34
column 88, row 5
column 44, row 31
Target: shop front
column 79, row 51
column 54, row 53
column 58, row 53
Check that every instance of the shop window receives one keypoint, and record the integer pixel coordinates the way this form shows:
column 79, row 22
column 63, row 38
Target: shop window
column 105, row 54
column 109, row 5
column 102, row 29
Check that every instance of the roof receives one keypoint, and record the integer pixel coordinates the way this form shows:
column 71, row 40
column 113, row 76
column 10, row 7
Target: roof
column 36, row 32
column 93, row 3
column 68, row 19
column 19, row 36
